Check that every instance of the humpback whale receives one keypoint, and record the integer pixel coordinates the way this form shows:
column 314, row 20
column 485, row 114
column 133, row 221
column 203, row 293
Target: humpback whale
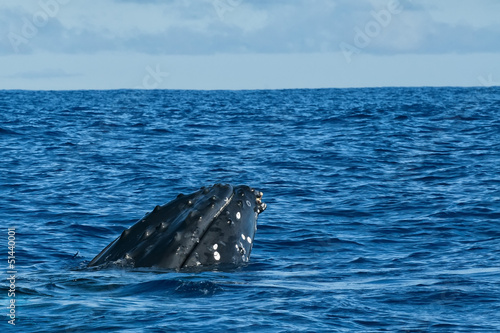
column 212, row 226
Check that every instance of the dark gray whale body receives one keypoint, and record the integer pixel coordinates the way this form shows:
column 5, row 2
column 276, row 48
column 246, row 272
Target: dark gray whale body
column 215, row 225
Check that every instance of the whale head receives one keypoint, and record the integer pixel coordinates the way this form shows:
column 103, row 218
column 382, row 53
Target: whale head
column 213, row 226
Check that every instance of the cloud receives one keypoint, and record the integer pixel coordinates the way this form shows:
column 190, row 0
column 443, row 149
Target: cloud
column 41, row 74
column 243, row 26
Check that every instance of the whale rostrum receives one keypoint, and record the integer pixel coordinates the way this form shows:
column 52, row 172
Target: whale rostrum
column 214, row 225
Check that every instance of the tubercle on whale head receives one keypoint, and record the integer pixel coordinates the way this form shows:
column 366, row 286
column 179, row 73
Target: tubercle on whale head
column 261, row 206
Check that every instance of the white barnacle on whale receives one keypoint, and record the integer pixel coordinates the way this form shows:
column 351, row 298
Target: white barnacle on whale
column 241, row 248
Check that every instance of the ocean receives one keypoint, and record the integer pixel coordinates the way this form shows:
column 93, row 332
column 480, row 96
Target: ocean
column 383, row 208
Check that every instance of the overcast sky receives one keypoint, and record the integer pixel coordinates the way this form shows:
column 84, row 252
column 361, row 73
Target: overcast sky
column 248, row 44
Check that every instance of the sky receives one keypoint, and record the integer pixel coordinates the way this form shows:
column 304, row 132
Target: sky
column 247, row 44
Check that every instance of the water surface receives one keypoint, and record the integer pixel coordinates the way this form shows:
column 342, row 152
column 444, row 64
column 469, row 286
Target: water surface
column 383, row 207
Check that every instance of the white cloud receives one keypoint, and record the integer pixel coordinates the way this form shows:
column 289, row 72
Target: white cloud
column 125, row 19
column 475, row 14
column 111, row 42
column 199, row 27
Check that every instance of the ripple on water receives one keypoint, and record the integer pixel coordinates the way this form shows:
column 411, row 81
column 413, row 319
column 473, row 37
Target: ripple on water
column 382, row 207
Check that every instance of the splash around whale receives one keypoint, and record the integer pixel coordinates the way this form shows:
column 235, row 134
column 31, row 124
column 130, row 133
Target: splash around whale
column 213, row 226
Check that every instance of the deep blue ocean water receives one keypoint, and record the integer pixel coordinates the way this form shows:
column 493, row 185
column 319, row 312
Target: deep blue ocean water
column 383, row 208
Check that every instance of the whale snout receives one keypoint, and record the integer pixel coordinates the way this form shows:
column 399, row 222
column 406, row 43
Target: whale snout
column 214, row 225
